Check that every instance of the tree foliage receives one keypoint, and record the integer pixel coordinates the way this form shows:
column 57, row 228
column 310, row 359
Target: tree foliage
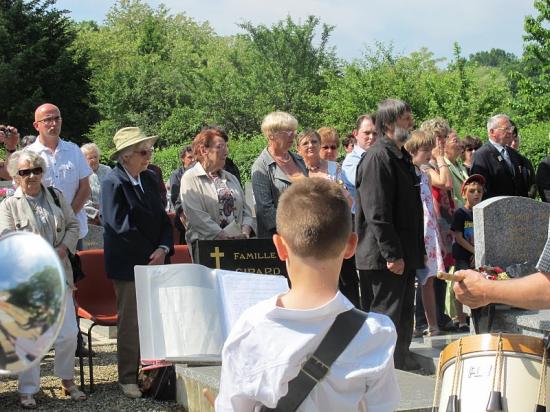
column 38, row 64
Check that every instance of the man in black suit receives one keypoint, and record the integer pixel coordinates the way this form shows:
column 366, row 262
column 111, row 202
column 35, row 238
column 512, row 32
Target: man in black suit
column 389, row 224
column 506, row 172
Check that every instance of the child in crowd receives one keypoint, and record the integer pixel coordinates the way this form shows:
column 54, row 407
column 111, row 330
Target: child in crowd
column 269, row 343
column 420, row 147
column 463, row 228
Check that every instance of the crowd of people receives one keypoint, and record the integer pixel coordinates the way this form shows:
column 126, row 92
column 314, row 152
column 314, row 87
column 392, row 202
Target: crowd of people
column 410, row 194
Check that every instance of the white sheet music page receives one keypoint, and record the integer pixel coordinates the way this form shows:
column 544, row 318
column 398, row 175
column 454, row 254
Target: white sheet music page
column 239, row 291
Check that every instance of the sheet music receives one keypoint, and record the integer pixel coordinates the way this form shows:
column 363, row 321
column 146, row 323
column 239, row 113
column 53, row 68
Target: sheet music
column 239, row 291
column 190, row 321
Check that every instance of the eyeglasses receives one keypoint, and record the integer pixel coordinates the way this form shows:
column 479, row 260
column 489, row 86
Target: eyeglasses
column 288, row 133
column 144, row 152
column 331, row 147
column 27, row 172
column 506, row 129
column 470, row 149
column 50, row 120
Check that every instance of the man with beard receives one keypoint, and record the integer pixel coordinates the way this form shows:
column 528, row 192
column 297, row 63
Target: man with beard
column 389, row 223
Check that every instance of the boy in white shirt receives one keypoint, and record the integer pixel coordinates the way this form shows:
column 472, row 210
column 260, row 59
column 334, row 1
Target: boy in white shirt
column 269, row 343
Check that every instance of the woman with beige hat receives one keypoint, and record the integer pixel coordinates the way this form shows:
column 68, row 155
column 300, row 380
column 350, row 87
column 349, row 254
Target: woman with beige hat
column 137, row 232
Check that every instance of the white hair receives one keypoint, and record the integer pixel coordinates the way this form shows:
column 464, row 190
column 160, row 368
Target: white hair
column 492, row 123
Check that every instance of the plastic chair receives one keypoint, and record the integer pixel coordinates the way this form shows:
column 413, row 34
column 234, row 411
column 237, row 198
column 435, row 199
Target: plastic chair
column 95, row 300
column 181, row 254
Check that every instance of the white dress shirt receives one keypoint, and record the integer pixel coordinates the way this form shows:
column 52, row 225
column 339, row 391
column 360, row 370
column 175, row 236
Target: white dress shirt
column 268, row 344
column 64, row 169
column 349, row 170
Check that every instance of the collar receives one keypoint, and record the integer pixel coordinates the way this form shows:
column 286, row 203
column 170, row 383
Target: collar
column 338, row 304
column 391, row 146
column 198, row 170
column 133, row 180
column 61, row 145
column 497, row 146
column 358, row 150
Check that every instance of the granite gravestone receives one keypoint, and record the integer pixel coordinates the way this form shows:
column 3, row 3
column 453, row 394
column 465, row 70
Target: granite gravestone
column 241, row 255
column 510, row 232
column 94, row 238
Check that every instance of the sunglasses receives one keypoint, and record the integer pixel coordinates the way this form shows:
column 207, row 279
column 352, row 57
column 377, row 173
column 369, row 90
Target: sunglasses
column 144, row 152
column 331, row 147
column 27, row 172
column 470, row 149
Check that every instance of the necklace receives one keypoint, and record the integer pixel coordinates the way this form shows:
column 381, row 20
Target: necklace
column 313, row 168
column 279, row 159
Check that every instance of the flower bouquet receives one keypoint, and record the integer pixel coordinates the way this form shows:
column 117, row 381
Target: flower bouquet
column 483, row 317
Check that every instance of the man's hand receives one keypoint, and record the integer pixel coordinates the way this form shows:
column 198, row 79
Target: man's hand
column 157, row 257
column 472, row 290
column 11, row 139
column 397, row 267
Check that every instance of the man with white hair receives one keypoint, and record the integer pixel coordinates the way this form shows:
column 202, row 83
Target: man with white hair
column 505, row 171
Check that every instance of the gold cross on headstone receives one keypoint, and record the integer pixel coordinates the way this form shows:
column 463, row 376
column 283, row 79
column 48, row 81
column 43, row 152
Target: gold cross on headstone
column 217, row 255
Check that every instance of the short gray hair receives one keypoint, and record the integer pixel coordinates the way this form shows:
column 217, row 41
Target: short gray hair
column 33, row 158
column 89, row 147
column 492, row 123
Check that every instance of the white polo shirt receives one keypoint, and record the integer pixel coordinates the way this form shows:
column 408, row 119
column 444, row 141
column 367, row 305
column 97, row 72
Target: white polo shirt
column 64, row 169
column 268, row 344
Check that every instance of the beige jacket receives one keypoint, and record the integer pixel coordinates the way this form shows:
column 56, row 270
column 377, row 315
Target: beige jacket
column 200, row 204
column 16, row 214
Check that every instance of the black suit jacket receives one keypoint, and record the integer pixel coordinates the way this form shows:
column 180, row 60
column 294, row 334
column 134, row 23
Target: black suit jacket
column 543, row 179
column 389, row 215
column 499, row 179
column 135, row 223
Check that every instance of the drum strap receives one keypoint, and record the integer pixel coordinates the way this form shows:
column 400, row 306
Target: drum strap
column 340, row 334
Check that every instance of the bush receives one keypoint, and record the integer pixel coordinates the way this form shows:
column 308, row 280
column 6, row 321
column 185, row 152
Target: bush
column 167, row 159
column 534, row 142
column 244, row 151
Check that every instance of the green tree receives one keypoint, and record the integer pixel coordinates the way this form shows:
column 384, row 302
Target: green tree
column 38, row 64
column 532, row 100
column 289, row 65
column 145, row 64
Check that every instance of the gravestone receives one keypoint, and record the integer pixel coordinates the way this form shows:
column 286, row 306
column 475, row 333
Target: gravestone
column 94, row 238
column 241, row 255
column 510, row 232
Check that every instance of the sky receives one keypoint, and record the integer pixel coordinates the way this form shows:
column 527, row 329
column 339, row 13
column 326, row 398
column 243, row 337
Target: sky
column 408, row 24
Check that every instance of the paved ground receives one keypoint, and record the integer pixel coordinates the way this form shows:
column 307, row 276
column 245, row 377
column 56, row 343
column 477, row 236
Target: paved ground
column 106, row 397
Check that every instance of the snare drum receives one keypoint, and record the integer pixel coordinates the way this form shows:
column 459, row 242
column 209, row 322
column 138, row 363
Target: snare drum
column 504, row 366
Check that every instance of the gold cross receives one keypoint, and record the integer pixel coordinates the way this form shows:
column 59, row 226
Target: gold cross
column 217, row 255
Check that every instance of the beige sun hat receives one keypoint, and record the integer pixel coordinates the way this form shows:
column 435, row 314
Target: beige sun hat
column 129, row 136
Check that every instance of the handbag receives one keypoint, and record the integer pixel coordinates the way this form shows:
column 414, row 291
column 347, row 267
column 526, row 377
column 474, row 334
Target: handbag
column 78, row 274
column 158, row 383
column 341, row 333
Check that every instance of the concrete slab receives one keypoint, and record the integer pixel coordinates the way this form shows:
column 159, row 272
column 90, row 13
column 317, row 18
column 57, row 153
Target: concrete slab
column 102, row 332
column 416, row 391
column 426, row 350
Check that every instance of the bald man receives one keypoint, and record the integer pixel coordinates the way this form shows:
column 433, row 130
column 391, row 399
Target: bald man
column 67, row 168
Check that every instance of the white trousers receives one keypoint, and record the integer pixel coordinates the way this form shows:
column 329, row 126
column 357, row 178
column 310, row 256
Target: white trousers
column 65, row 347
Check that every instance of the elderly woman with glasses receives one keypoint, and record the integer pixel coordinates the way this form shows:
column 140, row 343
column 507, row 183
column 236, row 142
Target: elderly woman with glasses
column 33, row 208
column 213, row 201
column 137, row 232
column 275, row 168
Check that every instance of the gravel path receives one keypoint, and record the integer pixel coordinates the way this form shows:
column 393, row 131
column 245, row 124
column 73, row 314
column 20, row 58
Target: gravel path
column 106, row 397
